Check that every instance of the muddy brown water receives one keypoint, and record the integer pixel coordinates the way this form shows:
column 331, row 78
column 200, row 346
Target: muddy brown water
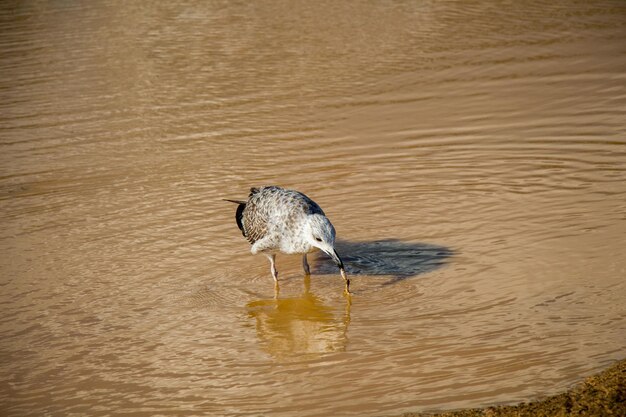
column 471, row 155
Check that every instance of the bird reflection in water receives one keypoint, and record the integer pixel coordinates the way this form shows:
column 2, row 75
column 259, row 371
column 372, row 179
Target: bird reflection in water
column 300, row 326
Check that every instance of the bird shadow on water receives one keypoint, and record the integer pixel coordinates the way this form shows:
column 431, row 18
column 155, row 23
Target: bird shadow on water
column 392, row 259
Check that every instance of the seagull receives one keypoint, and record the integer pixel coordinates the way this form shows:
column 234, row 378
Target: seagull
column 274, row 219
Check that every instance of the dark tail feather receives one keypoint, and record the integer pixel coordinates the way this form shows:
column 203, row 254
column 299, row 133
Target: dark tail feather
column 239, row 214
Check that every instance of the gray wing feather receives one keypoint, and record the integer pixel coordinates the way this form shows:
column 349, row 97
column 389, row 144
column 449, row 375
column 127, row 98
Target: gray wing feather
column 268, row 206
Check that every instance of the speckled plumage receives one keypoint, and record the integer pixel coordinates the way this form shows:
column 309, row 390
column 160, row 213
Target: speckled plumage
column 274, row 219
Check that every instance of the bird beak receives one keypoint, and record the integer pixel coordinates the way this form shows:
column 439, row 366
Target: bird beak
column 336, row 258
column 339, row 263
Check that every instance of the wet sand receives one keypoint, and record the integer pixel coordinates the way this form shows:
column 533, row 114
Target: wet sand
column 603, row 394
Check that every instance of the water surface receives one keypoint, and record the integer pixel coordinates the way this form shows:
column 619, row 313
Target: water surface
column 472, row 157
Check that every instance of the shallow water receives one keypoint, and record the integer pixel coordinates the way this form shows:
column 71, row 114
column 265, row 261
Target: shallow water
column 472, row 158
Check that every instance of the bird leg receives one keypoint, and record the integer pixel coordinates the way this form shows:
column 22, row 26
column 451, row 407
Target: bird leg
column 305, row 265
column 272, row 258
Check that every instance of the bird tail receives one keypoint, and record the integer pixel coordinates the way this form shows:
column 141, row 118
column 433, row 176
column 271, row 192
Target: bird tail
column 239, row 213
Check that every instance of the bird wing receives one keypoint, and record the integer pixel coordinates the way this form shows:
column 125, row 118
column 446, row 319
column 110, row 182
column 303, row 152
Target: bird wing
column 269, row 206
column 294, row 201
column 310, row 207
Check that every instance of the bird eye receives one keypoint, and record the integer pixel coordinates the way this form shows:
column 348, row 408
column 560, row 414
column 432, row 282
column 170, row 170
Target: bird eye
column 317, row 238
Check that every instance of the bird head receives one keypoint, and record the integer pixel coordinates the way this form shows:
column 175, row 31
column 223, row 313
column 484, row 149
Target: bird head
column 320, row 233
